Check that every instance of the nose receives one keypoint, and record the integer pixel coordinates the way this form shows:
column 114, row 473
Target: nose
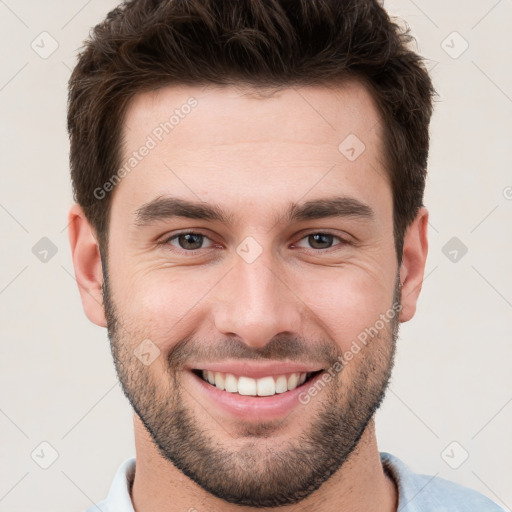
column 255, row 303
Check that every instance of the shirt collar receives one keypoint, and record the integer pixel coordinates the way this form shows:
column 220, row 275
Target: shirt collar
column 120, row 490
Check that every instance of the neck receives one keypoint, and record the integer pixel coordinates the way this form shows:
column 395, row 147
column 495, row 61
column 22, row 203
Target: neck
column 360, row 484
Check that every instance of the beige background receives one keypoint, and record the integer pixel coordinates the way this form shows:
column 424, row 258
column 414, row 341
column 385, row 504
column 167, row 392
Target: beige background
column 452, row 381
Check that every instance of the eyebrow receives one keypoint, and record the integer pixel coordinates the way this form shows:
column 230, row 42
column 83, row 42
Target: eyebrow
column 167, row 207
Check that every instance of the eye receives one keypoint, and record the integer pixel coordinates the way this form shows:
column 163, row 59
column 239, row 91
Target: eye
column 321, row 240
column 192, row 241
column 188, row 241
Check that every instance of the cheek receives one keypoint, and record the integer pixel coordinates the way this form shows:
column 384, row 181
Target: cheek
column 347, row 303
column 163, row 307
column 167, row 305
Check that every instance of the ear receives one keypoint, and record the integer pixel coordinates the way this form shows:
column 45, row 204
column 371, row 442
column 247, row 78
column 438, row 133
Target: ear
column 413, row 263
column 87, row 263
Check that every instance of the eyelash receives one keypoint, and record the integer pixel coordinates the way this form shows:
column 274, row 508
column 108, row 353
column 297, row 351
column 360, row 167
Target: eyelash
column 167, row 241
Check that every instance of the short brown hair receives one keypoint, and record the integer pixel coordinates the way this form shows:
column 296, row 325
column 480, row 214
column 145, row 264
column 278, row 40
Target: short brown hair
column 146, row 44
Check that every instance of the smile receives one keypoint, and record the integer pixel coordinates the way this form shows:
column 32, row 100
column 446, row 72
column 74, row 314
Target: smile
column 247, row 386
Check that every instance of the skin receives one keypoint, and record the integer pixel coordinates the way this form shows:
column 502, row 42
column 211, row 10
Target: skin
column 252, row 155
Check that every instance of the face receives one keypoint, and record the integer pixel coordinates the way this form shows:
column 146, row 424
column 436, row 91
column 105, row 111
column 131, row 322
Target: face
column 252, row 245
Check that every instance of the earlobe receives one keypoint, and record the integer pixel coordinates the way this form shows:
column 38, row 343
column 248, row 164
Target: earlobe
column 413, row 263
column 87, row 264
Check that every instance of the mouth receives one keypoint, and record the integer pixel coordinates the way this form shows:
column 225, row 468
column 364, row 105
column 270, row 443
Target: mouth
column 252, row 393
column 256, row 387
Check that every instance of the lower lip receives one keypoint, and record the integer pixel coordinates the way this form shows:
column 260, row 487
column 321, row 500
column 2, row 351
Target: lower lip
column 253, row 408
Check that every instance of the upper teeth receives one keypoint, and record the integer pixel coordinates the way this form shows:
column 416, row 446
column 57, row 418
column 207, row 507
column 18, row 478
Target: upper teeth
column 266, row 386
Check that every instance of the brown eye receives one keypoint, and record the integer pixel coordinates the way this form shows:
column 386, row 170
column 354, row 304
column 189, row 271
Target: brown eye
column 188, row 241
column 320, row 240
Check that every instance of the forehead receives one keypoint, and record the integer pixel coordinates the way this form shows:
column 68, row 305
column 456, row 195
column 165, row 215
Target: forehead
column 219, row 112
column 241, row 144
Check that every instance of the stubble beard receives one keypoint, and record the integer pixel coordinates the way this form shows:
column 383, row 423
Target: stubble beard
column 257, row 472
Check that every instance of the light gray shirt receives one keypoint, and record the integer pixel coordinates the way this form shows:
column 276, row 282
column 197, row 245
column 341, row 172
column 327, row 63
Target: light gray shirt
column 416, row 493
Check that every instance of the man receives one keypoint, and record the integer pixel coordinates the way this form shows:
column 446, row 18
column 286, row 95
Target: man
column 249, row 227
